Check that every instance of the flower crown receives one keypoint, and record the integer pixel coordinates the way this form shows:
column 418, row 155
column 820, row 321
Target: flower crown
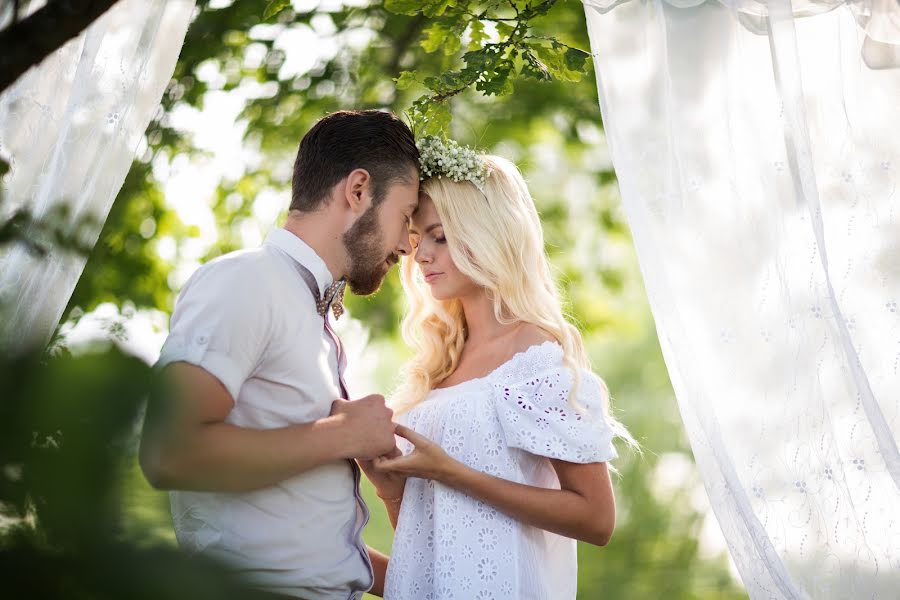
column 442, row 157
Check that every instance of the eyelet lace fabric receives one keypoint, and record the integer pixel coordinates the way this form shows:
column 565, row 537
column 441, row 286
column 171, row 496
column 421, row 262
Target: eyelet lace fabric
column 756, row 149
column 507, row 424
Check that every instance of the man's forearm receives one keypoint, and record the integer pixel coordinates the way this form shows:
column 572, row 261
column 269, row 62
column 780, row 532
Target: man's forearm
column 227, row 458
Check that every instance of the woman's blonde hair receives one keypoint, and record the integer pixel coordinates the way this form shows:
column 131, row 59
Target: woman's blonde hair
column 495, row 238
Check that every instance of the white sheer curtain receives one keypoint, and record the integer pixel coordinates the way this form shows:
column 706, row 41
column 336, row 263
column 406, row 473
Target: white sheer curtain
column 71, row 127
column 757, row 146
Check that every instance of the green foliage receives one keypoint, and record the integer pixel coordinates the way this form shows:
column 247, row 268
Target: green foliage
column 66, row 437
column 274, row 7
column 555, row 60
column 67, row 440
column 491, row 67
column 430, row 8
column 443, row 35
column 125, row 257
column 431, row 118
column 56, row 229
column 406, row 80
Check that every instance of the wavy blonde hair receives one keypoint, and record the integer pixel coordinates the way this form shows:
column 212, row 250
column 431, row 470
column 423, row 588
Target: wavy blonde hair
column 495, row 238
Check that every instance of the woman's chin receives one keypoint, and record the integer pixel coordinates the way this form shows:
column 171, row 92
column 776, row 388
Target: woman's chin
column 438, row 294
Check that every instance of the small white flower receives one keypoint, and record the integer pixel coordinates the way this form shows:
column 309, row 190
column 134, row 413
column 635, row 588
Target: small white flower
column 446, row 157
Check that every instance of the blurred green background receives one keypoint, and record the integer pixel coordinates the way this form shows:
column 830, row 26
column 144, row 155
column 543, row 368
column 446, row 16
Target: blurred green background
column 213, row 175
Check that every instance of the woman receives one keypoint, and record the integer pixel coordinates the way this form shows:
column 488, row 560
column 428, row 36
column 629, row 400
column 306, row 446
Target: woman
column 506, row 431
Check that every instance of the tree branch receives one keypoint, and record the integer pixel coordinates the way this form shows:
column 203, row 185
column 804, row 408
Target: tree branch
column 27, row 42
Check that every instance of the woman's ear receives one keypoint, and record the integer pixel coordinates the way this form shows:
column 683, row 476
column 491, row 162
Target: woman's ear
column 358, row 190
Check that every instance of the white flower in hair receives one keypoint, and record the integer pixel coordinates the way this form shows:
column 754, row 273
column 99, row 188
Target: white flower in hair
column 446, row 158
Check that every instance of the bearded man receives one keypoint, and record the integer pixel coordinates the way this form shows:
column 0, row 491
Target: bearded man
column 252, row 428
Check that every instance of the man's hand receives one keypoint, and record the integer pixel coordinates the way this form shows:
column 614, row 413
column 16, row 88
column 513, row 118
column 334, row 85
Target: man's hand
column 188, row 444
column 366, row 426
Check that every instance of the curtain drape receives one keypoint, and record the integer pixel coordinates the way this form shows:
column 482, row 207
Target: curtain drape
column 70, row 128
column 757, row 146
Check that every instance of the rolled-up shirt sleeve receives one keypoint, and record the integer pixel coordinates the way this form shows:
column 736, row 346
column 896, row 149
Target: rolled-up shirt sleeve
column 221, row 323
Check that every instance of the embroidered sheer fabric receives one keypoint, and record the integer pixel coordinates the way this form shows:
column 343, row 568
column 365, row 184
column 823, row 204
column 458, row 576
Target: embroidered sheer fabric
column 70, row 128
column 756, row 147
column 449, row 545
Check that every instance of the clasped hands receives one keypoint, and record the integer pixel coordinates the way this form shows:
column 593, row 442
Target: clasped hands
column 370, row 433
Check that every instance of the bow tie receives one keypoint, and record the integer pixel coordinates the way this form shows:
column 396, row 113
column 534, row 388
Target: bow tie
column 334, row 298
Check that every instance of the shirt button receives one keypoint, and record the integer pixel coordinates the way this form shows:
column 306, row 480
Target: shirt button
column 202, row 339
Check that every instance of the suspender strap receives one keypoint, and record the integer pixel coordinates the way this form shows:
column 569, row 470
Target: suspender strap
column 313, row 286
column 362, row 511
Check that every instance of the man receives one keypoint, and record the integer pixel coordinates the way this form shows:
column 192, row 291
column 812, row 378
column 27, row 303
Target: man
column 247, row 429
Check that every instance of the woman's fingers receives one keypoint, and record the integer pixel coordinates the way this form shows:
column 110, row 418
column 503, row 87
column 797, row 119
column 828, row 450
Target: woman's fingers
column 407, row 463
column 393, row 464
column 375, row 462
column 394, row 453
column 420, row 462
column 412, row 436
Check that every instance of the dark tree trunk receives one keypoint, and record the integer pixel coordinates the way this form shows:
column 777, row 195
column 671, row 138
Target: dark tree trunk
column 26, row 43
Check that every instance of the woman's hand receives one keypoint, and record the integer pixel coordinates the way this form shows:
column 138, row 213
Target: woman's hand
column 389, row 485
column 427, row 460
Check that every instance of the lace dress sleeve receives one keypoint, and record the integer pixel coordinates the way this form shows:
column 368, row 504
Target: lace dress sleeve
column 536, row 416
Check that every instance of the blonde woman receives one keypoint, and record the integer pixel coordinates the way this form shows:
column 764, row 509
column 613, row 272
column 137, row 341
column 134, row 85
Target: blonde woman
column 505, row 431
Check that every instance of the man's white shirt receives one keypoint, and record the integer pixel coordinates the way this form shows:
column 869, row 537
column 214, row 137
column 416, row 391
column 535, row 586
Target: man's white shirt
column 250, row 320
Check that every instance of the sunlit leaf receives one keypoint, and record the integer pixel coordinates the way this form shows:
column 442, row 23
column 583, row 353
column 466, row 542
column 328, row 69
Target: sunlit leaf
column 274, row 7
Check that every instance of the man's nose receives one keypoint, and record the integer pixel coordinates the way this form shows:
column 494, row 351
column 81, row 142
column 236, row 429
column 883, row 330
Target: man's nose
column 405, row 248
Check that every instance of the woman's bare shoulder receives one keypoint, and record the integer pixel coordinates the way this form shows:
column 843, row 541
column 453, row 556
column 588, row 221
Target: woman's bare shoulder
column 531, row 335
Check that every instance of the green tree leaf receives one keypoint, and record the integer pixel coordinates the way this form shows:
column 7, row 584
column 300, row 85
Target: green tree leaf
column 533, row 67
column 429, row 8
column 505, row 29
column 404, row 7
column 445, row 35
column 436, row 8
column 561, row 62
column 477, row 34
column 576, row 60
column 437, row 118
column 406, row 80
column 497, row 82
column 274, row 7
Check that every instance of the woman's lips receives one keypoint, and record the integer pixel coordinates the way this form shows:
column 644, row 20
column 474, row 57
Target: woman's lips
column 431, row 276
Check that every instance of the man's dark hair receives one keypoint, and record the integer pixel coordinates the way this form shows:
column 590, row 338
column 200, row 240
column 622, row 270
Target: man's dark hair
column 343, row 141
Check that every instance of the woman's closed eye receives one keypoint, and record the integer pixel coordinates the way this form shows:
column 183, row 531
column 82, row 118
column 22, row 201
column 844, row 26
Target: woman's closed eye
column 436, row 233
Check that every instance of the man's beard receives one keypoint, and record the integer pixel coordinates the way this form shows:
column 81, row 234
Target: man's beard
column 364, row 244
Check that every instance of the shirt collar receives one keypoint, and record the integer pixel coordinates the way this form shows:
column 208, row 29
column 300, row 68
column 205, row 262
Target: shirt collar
column 301, row 252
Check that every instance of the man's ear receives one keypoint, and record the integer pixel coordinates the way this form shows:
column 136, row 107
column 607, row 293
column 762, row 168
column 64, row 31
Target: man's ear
column 358, row 190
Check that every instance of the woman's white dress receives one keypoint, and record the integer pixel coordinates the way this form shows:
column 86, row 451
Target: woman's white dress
column 449, row 545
